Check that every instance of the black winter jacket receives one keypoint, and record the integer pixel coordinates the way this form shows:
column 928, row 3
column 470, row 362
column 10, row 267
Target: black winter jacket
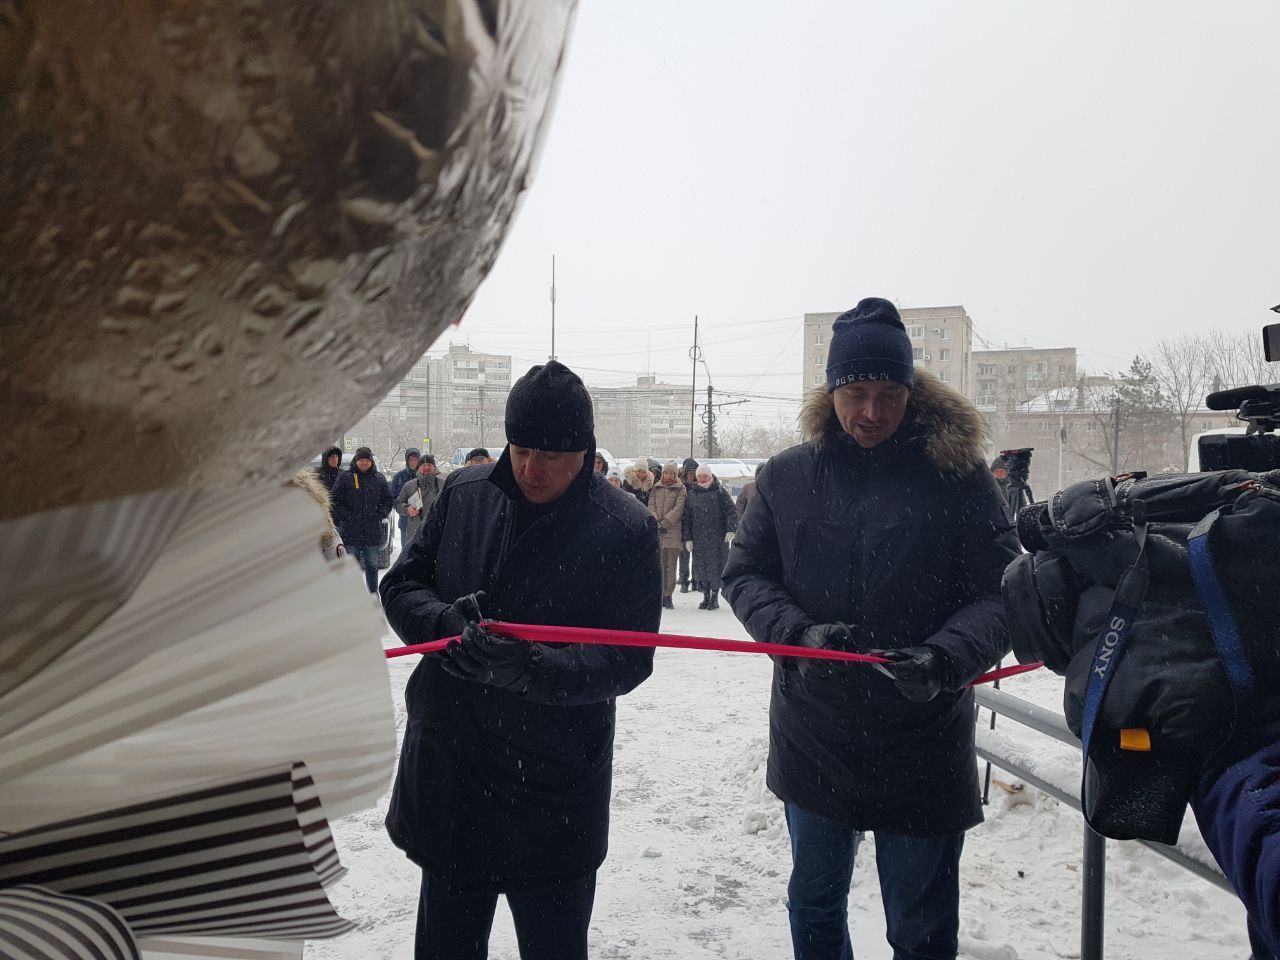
column 708, row 515
column 329, row 475
column 499, row 791
column 907, row 542
column 360, row 502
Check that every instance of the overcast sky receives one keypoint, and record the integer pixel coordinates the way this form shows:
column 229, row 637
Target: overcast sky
column 1091, row 174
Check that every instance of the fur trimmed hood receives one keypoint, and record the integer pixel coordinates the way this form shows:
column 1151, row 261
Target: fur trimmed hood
column 307, row 481
column 630, row 477
column 954, row 431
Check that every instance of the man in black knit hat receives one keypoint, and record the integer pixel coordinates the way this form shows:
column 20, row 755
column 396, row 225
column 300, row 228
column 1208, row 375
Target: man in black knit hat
column 504, row 779
column 882, row 533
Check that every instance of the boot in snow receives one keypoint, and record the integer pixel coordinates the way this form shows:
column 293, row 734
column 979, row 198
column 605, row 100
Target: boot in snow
column 667, row 604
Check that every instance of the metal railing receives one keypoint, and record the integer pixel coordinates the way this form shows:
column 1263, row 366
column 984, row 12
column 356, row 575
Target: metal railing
column 1093, row 880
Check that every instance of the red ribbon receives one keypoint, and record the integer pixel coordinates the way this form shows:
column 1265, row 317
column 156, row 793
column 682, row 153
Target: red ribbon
column 534, row 632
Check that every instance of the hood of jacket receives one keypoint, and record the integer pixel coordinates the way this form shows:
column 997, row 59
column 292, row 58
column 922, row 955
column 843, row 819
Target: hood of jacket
column 630, row 477
column 954, row 432
column 411, row 452
column 324, row 457
column 309, row 483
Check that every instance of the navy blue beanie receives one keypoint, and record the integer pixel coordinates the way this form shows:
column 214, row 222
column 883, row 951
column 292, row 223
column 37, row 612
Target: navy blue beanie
column 869, row 342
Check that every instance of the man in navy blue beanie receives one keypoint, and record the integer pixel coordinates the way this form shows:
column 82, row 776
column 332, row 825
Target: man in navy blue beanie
column 882, row 533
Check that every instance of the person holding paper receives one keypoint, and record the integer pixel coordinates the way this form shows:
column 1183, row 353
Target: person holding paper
column 504, row 779
column 416, row 497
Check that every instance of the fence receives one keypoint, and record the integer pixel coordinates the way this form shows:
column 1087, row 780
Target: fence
column 1094, row 867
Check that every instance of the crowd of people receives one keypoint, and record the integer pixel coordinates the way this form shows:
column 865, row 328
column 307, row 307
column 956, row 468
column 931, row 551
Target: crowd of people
column 362, row 499
column 882, row 533
column 697, row 519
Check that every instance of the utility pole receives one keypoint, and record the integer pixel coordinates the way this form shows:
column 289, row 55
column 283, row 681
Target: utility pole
column 710, row 419
column 478, row 417
column 695, row 354
column 553, row 306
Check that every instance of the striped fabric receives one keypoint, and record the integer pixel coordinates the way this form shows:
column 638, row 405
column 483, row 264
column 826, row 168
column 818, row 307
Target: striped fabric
column 239, row 648
column 244, row 858
column 218, row 948
column 65, row 572
column 38, row 924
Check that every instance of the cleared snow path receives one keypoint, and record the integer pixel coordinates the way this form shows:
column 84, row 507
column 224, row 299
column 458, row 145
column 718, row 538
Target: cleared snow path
column 699, row 859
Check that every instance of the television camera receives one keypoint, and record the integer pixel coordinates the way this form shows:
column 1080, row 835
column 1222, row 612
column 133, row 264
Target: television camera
column 1258, row 449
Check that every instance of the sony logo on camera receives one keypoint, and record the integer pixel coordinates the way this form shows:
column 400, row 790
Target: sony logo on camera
column 1109, row 643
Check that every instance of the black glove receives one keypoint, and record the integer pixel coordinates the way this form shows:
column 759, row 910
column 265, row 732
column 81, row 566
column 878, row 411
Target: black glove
column 488, row 658
column 823, row 636
column 920, row 673
column 464, row 610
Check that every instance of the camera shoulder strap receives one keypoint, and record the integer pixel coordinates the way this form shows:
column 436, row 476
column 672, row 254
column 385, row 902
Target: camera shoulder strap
column 1109, row 648
column 1222, row 624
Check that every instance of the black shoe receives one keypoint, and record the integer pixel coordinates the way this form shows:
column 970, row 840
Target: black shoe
column 667, row 604
column 703, row 604
column 714, row 602
column 684, row 588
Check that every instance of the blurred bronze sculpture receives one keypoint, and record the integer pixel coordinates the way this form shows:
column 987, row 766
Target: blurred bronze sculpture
column 227, row 229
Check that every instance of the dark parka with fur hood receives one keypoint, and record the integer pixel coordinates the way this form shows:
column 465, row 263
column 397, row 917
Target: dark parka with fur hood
column 907, row 543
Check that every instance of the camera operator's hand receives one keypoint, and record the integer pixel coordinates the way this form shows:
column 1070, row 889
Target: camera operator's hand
column 463, row 611
column 488, row 658
column 824, row 636
column 919, row 673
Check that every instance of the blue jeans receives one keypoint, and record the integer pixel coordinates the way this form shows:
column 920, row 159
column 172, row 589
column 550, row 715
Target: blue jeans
column 367, row 557
column 919, row 886
column 551, row 923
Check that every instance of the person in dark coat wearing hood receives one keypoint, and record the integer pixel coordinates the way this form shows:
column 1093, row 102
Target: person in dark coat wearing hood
column 412, row 456
column 709, row 524
column 504, row 779
column 330, row 468
column 361, row 500
column 882, row 533
column 688, row 474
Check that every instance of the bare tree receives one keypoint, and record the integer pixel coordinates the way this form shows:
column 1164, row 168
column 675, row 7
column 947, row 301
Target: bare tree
column 1181, row 370
column 1236, row 360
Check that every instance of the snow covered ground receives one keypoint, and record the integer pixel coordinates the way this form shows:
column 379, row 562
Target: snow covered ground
column 699, row 860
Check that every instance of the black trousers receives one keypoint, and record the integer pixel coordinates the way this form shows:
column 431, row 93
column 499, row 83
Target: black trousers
column 551, row 922
column 684, row 567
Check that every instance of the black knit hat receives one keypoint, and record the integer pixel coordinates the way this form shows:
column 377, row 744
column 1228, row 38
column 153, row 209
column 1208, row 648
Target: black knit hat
column 549, row 409
column 689, row 464
column 869, row 343
column 478, row 453
column 362, row 453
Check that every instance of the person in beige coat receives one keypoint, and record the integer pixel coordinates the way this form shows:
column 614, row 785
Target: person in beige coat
column 666, row 503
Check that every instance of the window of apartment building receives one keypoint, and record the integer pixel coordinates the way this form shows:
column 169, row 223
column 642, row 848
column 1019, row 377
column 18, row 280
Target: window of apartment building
column 944, row 333
column 945, row 374
column 817, row 359
column 817, row 379
column 1036, row 372
column 986, row 386
column 986, row 369
column 817, row 338
column 944, row 356
column 915, row 330
column 917, row 353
